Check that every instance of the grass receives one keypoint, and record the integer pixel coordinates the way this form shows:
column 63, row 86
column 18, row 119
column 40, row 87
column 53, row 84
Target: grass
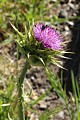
column 23, row 14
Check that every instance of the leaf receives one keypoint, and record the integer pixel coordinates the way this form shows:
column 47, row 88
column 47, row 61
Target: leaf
column 4, row 105
column 41, row 97
column 79, row 115
column 46, row 115
column 16, row 30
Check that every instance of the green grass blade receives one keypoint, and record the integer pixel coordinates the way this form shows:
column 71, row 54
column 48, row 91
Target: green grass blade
column 46, row 115
column 40, row 97
column 74, row 89
column 79, row 115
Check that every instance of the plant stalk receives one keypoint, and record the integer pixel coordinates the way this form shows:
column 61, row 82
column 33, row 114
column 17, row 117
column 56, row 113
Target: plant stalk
column 20, row 91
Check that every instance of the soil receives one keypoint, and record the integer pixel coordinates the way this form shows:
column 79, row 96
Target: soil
column 37, row 80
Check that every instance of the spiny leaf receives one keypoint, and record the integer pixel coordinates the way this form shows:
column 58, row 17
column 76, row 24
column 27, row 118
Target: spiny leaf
column 16, row 30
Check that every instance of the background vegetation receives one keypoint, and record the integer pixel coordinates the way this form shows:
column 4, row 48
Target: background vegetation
column 22, row 14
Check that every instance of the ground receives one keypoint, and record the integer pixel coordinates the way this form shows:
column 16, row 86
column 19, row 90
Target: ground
column 36, row 79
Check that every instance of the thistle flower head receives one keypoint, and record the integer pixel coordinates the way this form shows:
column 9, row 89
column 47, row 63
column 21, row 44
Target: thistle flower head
column 47, row 36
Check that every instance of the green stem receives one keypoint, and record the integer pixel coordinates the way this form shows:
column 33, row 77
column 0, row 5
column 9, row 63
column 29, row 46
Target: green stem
column 20, row 91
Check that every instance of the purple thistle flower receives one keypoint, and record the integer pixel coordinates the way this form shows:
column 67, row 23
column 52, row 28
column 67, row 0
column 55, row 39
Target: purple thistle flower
column 47, row 36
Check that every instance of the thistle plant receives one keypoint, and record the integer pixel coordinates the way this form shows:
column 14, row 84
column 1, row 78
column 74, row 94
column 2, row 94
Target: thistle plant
column 40, row 45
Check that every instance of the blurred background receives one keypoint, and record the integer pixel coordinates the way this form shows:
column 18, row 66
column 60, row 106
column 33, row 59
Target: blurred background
column 64, row 16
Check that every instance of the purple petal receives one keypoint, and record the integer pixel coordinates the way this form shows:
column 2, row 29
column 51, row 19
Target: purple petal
column 47, row 36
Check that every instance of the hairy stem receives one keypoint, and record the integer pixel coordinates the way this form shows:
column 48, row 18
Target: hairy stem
column 20, row 91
